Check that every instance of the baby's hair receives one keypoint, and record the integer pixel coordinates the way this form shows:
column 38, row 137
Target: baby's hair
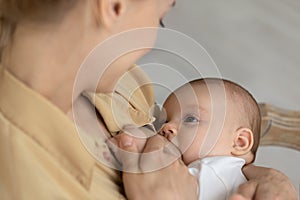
column 247, row 105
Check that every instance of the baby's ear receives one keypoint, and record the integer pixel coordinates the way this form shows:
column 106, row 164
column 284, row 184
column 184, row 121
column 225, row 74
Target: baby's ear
column 243, row 142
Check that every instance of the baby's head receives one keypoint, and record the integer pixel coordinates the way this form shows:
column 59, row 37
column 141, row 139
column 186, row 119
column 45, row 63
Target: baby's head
column 212, row 117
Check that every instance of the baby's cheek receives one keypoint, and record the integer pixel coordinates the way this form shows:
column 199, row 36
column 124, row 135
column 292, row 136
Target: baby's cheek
column 194, row 145
column 191, row 134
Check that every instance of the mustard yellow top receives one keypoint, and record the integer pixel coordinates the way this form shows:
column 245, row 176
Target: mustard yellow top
column 131, row 103
column 41, row 155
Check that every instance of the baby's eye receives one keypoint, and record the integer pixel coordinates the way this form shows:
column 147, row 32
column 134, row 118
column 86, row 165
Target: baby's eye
column 191, row 119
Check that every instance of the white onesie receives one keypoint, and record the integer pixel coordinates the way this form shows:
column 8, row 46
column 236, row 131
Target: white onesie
column 218, row 176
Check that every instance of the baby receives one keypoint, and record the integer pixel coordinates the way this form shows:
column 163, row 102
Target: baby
column 216, row 125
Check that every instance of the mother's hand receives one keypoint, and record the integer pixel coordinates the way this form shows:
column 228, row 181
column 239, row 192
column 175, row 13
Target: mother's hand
column 265, row 183
column 161, row 173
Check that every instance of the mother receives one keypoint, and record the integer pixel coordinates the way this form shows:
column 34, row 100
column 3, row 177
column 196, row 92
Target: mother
column 43, row 44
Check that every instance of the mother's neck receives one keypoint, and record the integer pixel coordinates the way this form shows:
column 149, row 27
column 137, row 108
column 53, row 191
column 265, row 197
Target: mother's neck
column 47, row 58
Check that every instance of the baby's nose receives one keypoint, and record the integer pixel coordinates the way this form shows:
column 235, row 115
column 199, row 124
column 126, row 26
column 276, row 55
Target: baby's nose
column 169, row 131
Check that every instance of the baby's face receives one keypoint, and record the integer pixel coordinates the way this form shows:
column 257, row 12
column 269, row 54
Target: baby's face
column 195, row 123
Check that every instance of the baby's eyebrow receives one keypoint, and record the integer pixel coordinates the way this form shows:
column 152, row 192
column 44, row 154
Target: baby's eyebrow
column 194, row 107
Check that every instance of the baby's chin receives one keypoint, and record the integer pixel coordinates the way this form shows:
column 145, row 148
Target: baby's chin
column 188, row 160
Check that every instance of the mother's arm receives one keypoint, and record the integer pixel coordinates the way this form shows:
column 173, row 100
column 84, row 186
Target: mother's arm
column 167, row 183
column 265, row 183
